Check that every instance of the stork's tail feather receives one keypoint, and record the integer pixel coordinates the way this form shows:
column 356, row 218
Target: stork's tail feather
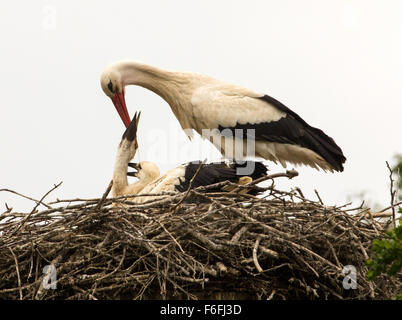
column 326, row 147
column 304, row 135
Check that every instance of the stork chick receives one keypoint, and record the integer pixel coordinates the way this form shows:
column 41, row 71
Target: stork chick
column 180, row 178
column 125, row 152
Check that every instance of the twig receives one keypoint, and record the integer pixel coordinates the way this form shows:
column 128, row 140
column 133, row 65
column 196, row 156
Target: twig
column 390, row 207
column 18, row 273
column 299, row 192
column 392, row 192
column 189, row 187
column 290, row 174
column 255, row 259
column 26, row 197
column 106, row 193
column 318, row 196
column 33, row 210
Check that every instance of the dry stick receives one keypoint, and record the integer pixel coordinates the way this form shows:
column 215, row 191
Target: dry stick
column 74, row 200
column 187, row 279
column 26, row 197
column 110, row 200
column 222, row 268
column 300, row 247
column 278, row 267
column 263, row 225
column 392, row 206
column 33, row 210
column 236, row 237
column 102, row 200
column 189, row 187
column 398, row 183
column 170, row 235
column 288, row 174
column 84, row 292
column 31, row 260
column 151, row 248
column 392, row 192
column 206, row 241
column 18, row 273
column 269, row 252
column 308, row 265
column 334, row 254
column 271, row 295
column 318, row 196
column 117, row 268
column 162, row 226
column 353, row 209
column 255, row 259
column 300, row 193
column 372, row 215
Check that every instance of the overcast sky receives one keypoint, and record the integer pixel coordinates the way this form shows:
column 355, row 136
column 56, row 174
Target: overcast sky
column 338, row 64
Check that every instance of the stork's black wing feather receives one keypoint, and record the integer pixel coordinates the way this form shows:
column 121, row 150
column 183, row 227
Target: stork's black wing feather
column 292, row 129
column 215, row 172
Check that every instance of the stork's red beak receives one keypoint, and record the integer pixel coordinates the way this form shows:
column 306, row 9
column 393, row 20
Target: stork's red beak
column 120, row 104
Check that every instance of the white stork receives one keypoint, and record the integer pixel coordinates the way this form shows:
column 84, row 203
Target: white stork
column 201, row 102
column 175, row 180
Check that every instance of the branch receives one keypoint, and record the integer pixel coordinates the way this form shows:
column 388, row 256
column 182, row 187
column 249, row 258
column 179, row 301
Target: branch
column 392, row 192
column 33, row 210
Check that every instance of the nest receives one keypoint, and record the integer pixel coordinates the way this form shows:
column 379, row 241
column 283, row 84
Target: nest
column 191, row 245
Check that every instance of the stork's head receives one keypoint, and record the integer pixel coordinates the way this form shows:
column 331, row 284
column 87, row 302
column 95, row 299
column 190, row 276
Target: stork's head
column 146, row 171
column 129, row 145
column 113, row 87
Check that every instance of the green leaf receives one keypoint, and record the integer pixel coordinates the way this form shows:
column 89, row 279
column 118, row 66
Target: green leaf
column 386, row 255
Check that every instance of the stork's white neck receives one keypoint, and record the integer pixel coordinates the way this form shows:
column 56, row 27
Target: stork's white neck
column 120, row 181
column 175, row 88
column 141, row 74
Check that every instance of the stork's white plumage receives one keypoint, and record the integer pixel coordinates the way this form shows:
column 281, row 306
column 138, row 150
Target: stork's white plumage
column 201, row 102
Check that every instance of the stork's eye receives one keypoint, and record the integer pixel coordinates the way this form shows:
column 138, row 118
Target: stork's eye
column 110, row 86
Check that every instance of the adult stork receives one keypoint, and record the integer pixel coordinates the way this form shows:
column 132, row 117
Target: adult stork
column 200, row 102
column 179, row 179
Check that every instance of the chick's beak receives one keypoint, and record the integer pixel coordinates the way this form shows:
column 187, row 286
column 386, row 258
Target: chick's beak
column 135, row 166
